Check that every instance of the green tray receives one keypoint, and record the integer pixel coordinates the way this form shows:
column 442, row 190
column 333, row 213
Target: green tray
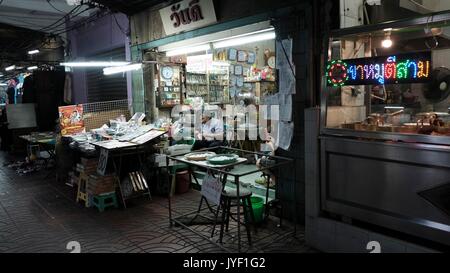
column 231, row 158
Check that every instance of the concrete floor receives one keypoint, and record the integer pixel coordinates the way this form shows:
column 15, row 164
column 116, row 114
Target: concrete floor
column 40, row 215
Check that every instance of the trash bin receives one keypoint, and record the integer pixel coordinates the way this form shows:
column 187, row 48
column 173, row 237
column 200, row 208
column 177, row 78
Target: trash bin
column 182, row 182
column 258, row 208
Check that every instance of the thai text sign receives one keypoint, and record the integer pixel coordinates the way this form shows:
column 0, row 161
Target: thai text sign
column 400, row 68
column 187, row 15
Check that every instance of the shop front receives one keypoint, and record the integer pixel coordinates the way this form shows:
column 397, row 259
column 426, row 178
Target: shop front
column 201, row 55
column 384, row 131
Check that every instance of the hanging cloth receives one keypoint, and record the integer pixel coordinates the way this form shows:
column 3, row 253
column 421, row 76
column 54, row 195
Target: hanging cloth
column 68, row 89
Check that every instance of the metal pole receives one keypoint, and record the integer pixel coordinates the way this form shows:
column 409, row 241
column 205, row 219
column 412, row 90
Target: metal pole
column 169, row 183
column 236, row 181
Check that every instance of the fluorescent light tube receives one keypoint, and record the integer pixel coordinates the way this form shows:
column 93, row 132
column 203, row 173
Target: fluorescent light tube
column 245, row 39
column 9, row 68
column 3, row 84
column 187, row 50
column 120, row 69
column 32, row 68
column 394, row 107
column 93, row 64
column 32, row 52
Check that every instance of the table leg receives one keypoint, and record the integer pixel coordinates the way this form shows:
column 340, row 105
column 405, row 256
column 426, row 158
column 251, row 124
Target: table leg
column 236, row 180
column 266, row 211
column 169, row 191
column 117, row 173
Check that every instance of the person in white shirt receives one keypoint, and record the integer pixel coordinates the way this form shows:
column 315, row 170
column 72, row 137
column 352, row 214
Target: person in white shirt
column 211, row 134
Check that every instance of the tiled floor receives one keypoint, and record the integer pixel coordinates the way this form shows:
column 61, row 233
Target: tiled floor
column 39, row 215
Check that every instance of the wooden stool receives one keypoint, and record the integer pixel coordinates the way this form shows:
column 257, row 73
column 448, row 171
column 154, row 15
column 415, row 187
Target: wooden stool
column 104, row 201
column 82, row 190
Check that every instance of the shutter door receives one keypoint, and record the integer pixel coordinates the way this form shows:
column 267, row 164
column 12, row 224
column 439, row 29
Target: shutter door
column 106, row 88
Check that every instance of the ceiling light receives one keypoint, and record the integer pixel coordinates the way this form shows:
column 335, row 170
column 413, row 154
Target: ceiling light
column 32, row 68
column 3, row 84
column 9, row 68
column 94, row 64
column 120, row 69
column 387, row 42
column 187, row 50
column 245, row 39
column 32, row 52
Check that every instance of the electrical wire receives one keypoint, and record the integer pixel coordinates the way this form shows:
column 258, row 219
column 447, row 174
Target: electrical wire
column 75, row 9
column 63, row 22
column 48, row 1
column 79, row 24
column 118, row 25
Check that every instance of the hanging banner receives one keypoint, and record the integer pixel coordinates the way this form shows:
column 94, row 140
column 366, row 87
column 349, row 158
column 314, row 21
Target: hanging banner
column 71, row 119
column 400, row 68
column 187, row 15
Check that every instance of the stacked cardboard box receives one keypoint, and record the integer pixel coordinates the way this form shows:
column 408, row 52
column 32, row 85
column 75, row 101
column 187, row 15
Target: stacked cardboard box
column 87, row 166
column 101, row 184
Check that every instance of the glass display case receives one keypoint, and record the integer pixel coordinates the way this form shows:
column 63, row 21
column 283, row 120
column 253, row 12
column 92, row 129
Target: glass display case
column 392, row 83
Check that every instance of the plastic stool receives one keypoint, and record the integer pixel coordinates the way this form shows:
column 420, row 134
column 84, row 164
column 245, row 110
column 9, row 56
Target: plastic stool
column 104, row 201
column 82, row 192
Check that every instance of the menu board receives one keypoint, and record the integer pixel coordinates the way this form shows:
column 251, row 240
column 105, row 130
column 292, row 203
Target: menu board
column 71, row 119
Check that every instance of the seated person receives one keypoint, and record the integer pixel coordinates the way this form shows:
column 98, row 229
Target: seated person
column 211, row 134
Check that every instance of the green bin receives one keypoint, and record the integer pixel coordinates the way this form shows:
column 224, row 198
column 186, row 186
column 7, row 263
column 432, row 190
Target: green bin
column 258, row 208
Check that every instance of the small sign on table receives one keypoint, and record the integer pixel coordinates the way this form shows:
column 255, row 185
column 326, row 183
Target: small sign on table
column 102, row 162
column 212, row 189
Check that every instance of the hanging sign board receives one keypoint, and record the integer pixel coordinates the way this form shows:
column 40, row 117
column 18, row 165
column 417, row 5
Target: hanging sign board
column 187, row 15
column 71, row 119
column 400, row 68
column 212, row 189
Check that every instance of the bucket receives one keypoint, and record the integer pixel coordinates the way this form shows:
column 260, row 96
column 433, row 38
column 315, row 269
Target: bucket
column 182, row 182
column 258, row 208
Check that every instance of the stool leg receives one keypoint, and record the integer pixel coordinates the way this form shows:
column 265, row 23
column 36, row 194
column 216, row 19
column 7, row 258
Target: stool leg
column 116, row 203
column 101, row 206
column 216, row 214
column 247, row 229
column 225, row 209
column 252, row 215
column 228, row 214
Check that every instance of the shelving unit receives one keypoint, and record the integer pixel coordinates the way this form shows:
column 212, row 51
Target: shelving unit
column 212, row 86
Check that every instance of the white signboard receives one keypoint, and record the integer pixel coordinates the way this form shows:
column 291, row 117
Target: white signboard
column 187, row 15
column 212, row 189
column 21, row 115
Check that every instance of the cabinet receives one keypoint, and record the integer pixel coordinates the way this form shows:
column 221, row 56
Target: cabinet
column 169, row 85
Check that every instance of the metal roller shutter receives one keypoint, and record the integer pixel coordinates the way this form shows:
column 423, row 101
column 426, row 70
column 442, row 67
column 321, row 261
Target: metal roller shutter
column 106, row 88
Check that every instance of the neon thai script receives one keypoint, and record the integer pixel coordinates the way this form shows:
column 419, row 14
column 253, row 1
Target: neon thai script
column 406, row 68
